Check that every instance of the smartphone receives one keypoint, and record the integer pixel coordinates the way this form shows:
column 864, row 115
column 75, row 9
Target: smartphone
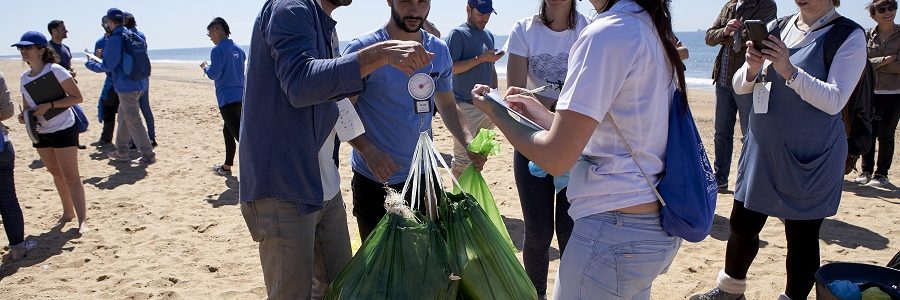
column 758, row 33
column 501, row 53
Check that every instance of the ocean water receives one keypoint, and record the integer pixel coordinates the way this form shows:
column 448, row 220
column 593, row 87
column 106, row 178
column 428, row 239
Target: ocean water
column 699, row 65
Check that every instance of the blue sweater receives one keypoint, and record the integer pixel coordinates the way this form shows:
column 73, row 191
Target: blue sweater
column 112, row 63
column 227, row 70
column 289, row 107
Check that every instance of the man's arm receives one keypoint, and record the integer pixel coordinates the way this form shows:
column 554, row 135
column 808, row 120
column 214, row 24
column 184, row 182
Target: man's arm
column 215, row 71
column 715, row 35
column 446, row 104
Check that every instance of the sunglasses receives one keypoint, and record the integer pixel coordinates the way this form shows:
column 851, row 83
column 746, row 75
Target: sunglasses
column 886, row 8
column 25, row 48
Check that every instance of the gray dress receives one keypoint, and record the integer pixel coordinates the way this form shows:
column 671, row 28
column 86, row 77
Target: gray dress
column 792, row 164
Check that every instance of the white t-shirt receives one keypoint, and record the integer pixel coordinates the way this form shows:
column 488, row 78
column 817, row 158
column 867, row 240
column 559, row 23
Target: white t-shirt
column 547, row 51
column 331, row 179
column 59, row 122
column 618, row 66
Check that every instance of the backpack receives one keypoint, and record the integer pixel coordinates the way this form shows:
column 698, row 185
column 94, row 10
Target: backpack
column 81, row 120
column 859, row 112
column 687, row 188
column 135, row 61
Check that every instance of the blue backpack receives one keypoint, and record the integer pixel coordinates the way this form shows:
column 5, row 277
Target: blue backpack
column 135, row 61
column 81, row 120
column 687, row 188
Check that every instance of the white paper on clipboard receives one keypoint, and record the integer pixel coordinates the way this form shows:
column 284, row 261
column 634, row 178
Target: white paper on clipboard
column 92, row 56
column 494, row 95
column 349, row 125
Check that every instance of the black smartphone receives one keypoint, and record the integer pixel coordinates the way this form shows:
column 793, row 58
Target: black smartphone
column 501, row 53
column 758, row 33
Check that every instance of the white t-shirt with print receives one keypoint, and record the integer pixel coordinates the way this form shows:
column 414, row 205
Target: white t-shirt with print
column 618, row 66
column 547, row 51
column 59, row 122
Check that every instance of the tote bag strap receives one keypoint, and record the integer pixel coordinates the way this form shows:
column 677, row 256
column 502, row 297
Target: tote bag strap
column 634, row 158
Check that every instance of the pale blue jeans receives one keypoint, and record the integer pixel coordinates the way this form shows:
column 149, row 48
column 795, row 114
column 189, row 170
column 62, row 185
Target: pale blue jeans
column 613, row 255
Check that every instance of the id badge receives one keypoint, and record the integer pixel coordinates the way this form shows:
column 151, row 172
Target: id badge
column 761, row 91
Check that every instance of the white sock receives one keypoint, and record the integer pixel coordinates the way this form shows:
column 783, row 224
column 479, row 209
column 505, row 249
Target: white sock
column 731, row 285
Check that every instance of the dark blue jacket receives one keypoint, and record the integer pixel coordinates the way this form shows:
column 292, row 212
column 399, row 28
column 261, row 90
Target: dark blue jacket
column 227, row 70
column 112, row 63
column 289, row 105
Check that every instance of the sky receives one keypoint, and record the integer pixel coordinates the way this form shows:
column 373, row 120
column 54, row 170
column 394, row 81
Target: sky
column 171, row 24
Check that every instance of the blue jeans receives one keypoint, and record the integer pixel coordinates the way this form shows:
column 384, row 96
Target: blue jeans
column 10, row 211
column 148, row 114
column 727, row 105
column 613, row 255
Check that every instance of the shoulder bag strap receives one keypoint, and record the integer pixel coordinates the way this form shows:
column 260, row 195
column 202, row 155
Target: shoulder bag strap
column 634, row 158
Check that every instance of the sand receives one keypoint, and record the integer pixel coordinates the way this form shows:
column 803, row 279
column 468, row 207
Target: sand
column 174, row 230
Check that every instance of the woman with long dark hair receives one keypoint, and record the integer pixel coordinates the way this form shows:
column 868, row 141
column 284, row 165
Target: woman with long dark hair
column 623, row 70
column 792, row 164
column 58, row 135
column 538, row 48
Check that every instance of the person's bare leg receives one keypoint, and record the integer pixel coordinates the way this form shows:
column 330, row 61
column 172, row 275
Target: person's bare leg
column 67, row 158
column 48, row 157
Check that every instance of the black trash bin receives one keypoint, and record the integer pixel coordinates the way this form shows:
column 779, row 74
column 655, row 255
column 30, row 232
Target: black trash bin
column 853, row 272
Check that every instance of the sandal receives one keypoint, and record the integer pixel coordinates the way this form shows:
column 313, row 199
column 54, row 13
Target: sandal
column 220, row 169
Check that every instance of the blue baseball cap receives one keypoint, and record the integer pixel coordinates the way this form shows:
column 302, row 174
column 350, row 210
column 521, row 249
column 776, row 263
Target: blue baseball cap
column 115, row 14
column 32, row 38
column 483, row 6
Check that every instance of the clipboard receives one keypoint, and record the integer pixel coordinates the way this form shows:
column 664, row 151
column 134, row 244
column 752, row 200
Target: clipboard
column 47, row 89
column 31, row 125
column 494, row 95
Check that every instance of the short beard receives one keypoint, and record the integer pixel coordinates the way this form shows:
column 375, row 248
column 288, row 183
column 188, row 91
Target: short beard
column 400, row 21
column 340, row 3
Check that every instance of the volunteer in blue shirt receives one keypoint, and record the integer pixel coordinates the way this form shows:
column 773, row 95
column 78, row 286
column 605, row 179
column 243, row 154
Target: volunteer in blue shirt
column 130, row 91
column 131, row 24
column 58, row 33
column 227, row 70
column 384, row 153
column 290, row 188
column 109, row 99
column 474, row 54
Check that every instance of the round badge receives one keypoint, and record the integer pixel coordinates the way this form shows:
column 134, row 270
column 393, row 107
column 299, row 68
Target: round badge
column 421, row 86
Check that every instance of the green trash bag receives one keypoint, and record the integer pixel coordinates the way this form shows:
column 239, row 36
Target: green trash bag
column 403, row 258
column 488, row 267
column 473, row 183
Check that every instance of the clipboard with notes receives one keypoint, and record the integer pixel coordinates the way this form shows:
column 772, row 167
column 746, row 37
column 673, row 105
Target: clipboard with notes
column 47, row 89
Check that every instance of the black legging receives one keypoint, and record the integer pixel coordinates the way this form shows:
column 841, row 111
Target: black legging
column 110, row 108
column 231, row 114
column 802, row 248
column 887, row 114
column 537, row 196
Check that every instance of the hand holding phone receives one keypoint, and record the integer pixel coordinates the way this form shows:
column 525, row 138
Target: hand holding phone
column 501, row 53
column 758, row 33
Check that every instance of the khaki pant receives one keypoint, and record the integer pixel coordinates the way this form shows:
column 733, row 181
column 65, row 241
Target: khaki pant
column 131, row 127
column 473, row 119
column 300, row 254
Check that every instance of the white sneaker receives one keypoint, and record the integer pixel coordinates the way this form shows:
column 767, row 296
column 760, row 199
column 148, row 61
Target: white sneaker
column 878, row 181
column 863, row 178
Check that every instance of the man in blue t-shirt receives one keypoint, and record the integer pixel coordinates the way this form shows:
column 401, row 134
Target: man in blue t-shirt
column 227, row 70
column 382, row 156
column 58, row 33
column 474, row 54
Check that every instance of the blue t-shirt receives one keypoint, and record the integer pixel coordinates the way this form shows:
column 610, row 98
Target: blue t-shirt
column 65, row 55
column 387, row 110
column 467, row 42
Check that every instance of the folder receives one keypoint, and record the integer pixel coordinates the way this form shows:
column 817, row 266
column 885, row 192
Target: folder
column 47, row 89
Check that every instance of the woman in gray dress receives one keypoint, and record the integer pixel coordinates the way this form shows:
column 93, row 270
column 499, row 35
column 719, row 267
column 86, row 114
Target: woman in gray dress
column 793, row 158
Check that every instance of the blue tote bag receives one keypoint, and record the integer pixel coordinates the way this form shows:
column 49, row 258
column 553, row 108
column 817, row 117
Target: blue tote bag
column 687, row 188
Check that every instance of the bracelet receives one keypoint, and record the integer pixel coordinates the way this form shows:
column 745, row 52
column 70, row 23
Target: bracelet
column 792, row 78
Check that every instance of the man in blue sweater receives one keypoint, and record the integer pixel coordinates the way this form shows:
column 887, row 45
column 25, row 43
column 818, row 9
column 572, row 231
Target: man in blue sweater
column 290, row 188
column 227, row 70
column 130, row 91
column 109, row 100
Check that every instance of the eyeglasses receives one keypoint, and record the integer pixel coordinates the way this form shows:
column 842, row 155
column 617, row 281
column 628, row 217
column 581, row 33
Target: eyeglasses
column 887, row 8
column 25, row 48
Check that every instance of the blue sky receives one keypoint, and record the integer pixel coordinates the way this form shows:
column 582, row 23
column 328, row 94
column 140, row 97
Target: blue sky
column 182, row 24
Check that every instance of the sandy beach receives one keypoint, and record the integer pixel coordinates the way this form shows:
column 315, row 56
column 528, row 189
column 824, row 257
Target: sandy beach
column 174, row 230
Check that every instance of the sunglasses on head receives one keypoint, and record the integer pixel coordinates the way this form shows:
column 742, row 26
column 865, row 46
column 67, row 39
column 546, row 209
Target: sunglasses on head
column 887, row 8
column 25, row 48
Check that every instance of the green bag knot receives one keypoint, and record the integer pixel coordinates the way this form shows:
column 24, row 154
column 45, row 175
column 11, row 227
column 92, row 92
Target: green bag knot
column 484, row 143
